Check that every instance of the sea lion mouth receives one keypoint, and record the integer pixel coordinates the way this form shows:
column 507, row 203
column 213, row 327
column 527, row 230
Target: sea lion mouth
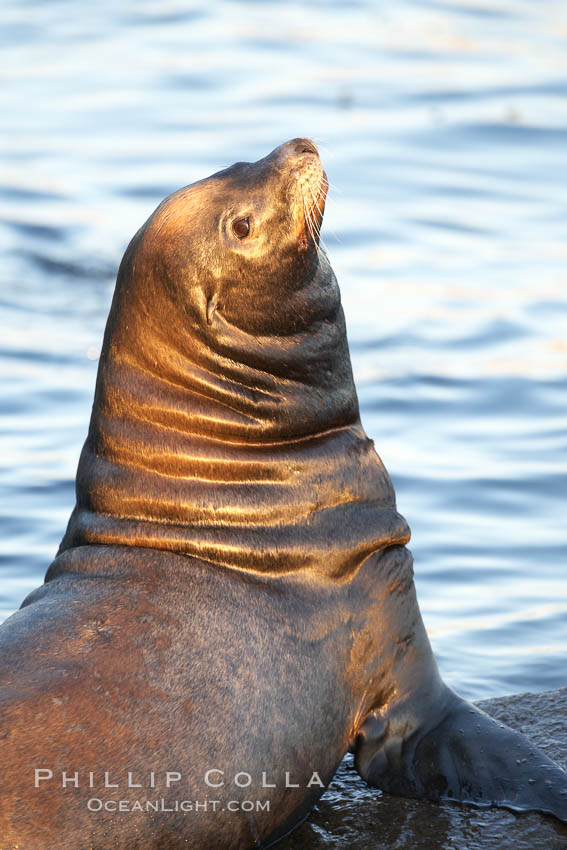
column 312, row 186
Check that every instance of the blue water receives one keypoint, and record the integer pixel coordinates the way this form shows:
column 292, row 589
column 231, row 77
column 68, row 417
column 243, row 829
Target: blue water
column 443, row 127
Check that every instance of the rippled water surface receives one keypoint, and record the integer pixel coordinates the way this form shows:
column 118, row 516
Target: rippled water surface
column 443, row 126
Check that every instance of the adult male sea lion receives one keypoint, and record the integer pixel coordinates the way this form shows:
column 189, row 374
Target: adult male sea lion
column 232, row 606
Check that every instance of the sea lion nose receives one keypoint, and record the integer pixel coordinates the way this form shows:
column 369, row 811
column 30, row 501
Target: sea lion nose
column 304, row 146
column 296, row 148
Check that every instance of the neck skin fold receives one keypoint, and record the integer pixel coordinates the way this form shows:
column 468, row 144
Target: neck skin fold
column 242, row 450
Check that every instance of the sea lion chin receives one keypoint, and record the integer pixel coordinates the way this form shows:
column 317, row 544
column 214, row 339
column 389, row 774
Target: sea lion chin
column 233, row 596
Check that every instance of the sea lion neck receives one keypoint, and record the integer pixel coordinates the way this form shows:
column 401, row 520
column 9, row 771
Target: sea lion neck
column 218, row 379
column 225, row 423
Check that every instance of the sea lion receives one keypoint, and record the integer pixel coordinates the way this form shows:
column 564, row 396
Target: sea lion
column 232, row 606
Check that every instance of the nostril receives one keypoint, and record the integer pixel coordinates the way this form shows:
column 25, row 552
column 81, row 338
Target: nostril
column 307, row 147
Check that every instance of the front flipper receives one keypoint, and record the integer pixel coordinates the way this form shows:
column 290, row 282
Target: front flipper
column 450, row 750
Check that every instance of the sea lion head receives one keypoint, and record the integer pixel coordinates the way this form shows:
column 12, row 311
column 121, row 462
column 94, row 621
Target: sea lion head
column 226, row 292
column 244, row 244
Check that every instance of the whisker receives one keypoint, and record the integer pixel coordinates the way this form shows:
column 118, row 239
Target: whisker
column 335, row 236
column 316, row 225
column 311, row 226
column 313, row 222
column 316, row 201
column 325, row 184
column 312, row 234
column 334, row 188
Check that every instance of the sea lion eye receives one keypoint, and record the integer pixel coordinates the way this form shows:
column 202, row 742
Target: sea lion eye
column 241, row 227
